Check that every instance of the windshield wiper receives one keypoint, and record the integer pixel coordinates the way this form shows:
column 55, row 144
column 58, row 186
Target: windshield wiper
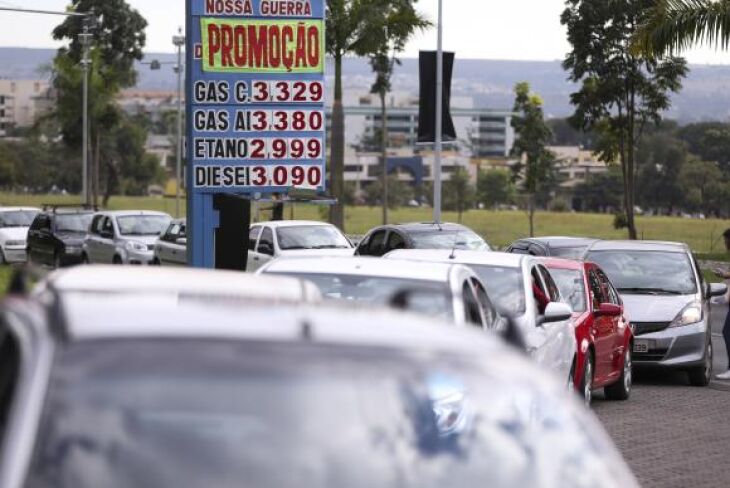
column 650, row 291
column 295, row 248
column 330, row 246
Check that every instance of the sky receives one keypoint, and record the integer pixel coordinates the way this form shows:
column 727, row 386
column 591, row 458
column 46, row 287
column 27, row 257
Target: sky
column 486, row 29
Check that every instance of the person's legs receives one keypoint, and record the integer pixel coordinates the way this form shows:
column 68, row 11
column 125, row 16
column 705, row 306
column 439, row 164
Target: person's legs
column 726, row 336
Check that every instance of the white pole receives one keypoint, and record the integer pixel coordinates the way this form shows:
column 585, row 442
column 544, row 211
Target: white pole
column 86, row 41
column 437, row 187
column 179, row 41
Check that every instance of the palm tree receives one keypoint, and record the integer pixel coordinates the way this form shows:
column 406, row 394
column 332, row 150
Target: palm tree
column 679, row 24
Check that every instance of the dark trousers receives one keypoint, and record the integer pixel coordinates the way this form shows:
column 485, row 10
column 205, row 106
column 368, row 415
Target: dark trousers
column 726, row 335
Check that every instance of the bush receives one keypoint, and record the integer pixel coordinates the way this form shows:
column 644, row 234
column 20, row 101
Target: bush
column 620, row 221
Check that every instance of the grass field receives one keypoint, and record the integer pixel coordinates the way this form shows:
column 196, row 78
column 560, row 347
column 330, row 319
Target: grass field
column 499, row 228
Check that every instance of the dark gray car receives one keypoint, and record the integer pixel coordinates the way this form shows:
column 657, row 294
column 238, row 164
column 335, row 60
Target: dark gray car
column 667, row 302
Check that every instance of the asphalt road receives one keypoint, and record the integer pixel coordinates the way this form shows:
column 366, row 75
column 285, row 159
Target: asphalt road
column 671, row 434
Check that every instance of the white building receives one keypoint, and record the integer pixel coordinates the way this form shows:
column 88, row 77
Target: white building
column 22, row 102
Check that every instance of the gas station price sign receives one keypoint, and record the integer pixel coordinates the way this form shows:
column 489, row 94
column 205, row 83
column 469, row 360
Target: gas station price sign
column 256, row 96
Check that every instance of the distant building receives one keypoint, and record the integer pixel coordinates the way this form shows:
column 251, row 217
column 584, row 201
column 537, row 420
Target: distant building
column 149, row 102
column 22, row 102
column 575, row 165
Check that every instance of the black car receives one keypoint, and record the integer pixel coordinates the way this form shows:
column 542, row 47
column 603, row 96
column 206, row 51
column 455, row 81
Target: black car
column 56, row 236
column 557, row 247
column 382, row 240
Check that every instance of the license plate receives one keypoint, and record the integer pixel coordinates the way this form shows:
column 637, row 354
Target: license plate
column 641, row 346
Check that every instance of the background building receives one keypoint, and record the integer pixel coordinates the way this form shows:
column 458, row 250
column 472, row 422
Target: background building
column 22, row 102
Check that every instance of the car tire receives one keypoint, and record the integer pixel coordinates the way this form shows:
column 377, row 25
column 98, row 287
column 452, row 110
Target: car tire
column 84, row 258
column 156, row 262
column 621, row 390
column 586, row 382
column 702, row 375
column 2, row 257
column 117, row 260
column 57, row 263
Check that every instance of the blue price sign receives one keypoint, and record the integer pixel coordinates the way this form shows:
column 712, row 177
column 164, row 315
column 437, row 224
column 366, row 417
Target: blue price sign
column 255, row 102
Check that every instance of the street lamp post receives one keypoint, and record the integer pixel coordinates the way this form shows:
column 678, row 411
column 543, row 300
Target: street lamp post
column 179, row 42
column 85, row 39
column 437, row 186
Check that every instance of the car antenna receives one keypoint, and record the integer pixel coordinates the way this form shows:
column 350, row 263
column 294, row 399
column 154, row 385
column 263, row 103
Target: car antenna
column 453, row 248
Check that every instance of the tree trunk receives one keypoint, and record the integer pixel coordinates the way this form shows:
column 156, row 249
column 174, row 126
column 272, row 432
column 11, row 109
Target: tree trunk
column 278, row 212
column 631, row 171
column 95, row 173
column 337, row 154
column 384, row 155
column 531, row 213
column 111, row 179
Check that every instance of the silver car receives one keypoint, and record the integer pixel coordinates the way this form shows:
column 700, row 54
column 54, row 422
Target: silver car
column 171, row 249
column 113, row 387
column 667, row 302
column 124, row 237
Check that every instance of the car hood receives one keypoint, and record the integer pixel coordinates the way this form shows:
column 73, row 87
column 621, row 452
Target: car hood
column 318, row 252
column 71, row 238
column 14, row 233
column 652, row 308
column 147, row 240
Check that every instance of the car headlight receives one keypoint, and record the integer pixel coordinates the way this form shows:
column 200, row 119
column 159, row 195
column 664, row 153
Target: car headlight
column 15, row 243
column 691, row 314
column 135, row 246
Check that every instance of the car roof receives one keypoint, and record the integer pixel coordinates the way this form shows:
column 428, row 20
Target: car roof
column 19, row 209
column 426, row 226
column 560, row 241
column 362, row 266
column 660, row 246
column 131, row 213
column 291, row 223
column 460, row 257
column 89, row 280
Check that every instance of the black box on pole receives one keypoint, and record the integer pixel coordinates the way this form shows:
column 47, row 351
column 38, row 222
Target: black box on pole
column 231, row 236
column 427, row 105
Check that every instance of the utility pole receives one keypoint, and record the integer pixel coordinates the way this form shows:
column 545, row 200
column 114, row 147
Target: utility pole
column 179, row 42
column 85, row 39
column 437, row 185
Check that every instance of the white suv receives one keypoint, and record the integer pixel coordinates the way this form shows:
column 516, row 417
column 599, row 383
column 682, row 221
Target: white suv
column 14, row 225
column 126, row 237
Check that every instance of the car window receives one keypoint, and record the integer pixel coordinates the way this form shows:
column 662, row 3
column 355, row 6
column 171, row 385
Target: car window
column 505, row 287
column 75, row 223
column 448, row 239
column 377, row 244
column 17, row 218
column 609, row 291
column 568, row 252
column 9, row 370
column 396, row 241
column 142, row 225
column 266, row 243
column 539, row 293
column 471, row 306
column 305, row 237
column 572, row 287
column 43, row 222
column 597, row 292
column 172, row 233
column 253, row 237
column 95, row 226
column 485, row 303
column 107, row 225
column 551, row 287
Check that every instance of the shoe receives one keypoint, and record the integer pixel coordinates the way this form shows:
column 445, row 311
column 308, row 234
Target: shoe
column 724, row 376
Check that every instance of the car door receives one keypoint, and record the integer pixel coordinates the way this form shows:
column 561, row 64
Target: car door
column 34, row 239
column 253, row 240
column 106, row 247
column 91, row 242
column 45, row 241
column 603, row 326
column 179, row 248
column 618, row 325
column 473, row 313
column 264, row 250
column 492, row 319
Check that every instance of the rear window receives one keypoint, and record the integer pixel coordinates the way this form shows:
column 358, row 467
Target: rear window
column 572, row 287
column 211, row 414
column 465, row 240
column 568, row 252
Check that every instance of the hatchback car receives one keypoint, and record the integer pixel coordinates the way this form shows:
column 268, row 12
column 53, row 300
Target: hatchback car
column 603, row 335
column 447, row 291
column 56, row 236
column 523, row 290
column 125, row 237
column 559, row 247
column 119, row 388
column 293, row 238
column 667, row 301
column 382, row 240
column 14, row 225
column 171, row 248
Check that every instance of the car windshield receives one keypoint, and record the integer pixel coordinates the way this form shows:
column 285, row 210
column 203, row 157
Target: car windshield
column 448, row 239
column 19, row 218
column 142, row 225
column 505, row 287
column 311, row 237
column 204, row 413
column 572, row 287
column 78, row 223
column 427, row 297
column 638, row 272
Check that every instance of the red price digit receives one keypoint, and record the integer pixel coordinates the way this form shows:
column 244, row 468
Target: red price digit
column 258, row 149
column 300, row 90
column 314, row 148
column 260, row 176
column 297, row 148
column 282, row 121
column 314, row 176
column 315, row 120
column 298, row 175
column 316, row 91
column 280, row 176
column 278, row 148
column 260, row 122
column 261, row 91
column 283, row 94
column 299, row 120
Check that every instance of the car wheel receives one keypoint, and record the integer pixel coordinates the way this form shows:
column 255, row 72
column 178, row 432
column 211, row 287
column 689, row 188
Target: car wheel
column 2, row 257
column 57, row 263
column 701, row 375
column 156, row 262
column 621, row 390
column 586, row 383
column 84, row 258
column 117, row 260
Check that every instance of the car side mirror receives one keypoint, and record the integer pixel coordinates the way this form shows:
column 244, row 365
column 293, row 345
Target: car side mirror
column 183, row 241
column 717, row 290
column 556, row 312
column 609, row 310
column 265, row 248
column 107, row 235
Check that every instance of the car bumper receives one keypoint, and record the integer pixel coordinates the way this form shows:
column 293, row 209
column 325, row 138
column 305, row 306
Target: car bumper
column 15, row 255
column 139, row 258
column 72, row 256
column 678, row 347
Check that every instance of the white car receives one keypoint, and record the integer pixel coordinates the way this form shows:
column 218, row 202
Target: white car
column 124, row 237
column 171, row 249
column 548, row 329
column 14, row 225
column 447, row 291
column 293, row 238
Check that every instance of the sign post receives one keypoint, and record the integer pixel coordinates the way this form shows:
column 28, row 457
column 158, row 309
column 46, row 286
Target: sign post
column 255, row 109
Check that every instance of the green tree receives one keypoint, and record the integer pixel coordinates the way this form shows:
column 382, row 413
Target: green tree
column 532, row 137
column 620, row 91
column 459, row 195
column 398, row 22
column 494, row 187
column 399, row 195
column 703, row 185
column 601, row 192
column 660, row 158
column 709, row 141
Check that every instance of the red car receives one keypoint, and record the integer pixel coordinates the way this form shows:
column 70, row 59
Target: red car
column 602, row 331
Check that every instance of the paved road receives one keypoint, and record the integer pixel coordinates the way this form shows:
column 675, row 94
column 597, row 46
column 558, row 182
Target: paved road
column 673, row 435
